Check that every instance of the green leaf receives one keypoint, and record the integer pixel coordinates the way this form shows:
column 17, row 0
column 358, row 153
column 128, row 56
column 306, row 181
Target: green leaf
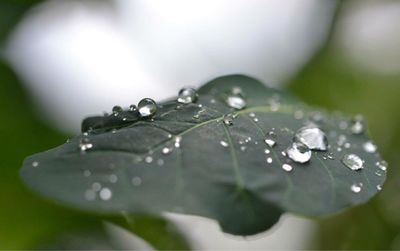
column 218, row 171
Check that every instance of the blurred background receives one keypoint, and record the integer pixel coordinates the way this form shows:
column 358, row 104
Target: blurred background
column 61, row 61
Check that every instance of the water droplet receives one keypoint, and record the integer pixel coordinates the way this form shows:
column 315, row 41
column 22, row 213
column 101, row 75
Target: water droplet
column 224, row 143
column 113, row 178
column 236, row 102
column 177, row 143
column 356, row 188
column 299, row 152
column 343, row 125
column 228, row 120
column 147, row 107
column 105, row 193
column 87, row 173
column 369, row 147
column 136, row 181
column 35, row 163
column 237, row 90
column 148, row 159
column 116, row 110
column 341, row 140
column 270, row 142
column 313, row 137
column 243, row 148
column 166, row 150
column 378, row 187
column 90, row 195
column 299, row 114
column 132, row 108
column 269, row 160
column 287, row 167
column 358, row 125
column 347, row 145
column 160, row 162
column 187, row 95
column 96, row 186
column 267, row 151
column 255, row 119
column 85, row 145
column 353, row 162
column 252, row 114
column 382, row 165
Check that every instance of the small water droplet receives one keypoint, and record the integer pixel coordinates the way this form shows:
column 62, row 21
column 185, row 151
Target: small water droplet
column 236, row 102
column 255, row 119
column 343, row 125
column 369, row 147
column 378, row 187
column 228, row 120
column 269, row 160
column 267, row 151
column 166, row 150
column 341, row 140
column 87, row 173
column 270, row 142
column 105, row 193
column 85, row 145
column 353, row 162
column 299, row 152
column 177, row 143
column 313, row 137
column 252, row 114
column 287, row 167
column 148, row 159
column 116, row 110
column 357, row 126
column 90, row 195
column 160, row 162
column 132, row 108
column 96, row 186
column 243, row 148
column 382, row 165
column 347, row 145
column 299, row 114
column 147, row 107
column 136, row 181
column 187, row 95
column 356, row 188
column 113, row 178
column 35, row 163
column 224, row 143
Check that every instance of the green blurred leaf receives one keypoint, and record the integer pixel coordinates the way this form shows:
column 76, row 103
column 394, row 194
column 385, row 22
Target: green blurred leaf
column 217, row 171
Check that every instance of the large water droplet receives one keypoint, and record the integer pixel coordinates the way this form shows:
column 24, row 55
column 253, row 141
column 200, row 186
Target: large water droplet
column 147, row 107
column 369, row 147
column 105, row 193
column 356, row 188
column 299, row 152
column 313, row 137
column 187, row 95
column 353, row 162
column 236, row 101
column 287, row 167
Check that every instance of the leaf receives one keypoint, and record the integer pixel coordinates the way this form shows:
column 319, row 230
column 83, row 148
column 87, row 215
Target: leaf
column 187, row 160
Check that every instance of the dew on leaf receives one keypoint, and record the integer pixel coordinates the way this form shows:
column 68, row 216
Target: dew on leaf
column 313, row 137
column 299, row 152
column 228, row 120
column 236, row 101
column 116, row 110
column 287, row 167
column 356, row 188
column 369, row 147
column 378, row 187
column 267, row 151
column 187, row 95
column 270, row 142
column 148, row 159
column 269, row 160
column 105, row 193
column 147, row 107
column 357, row 126
column 224, row 143
column 177, row 143
column 353, row 161
column 166, row 150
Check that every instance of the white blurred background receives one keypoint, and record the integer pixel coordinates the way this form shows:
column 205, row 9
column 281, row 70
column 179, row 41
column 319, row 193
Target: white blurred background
column 83, row 57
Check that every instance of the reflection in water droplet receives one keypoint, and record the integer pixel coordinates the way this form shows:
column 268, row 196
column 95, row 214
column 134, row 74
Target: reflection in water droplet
column 105, row 193
column 136, row 181
column 299, row 152
column 287, row 167
column 313, row 137
column 147, row 107
column 369, row 147
column 224, row 143
column 269, row 160
column 356, row 188
column 236, row 102
column 270, row 142
column 353, row 162
column 35, row 163
column 187, row 95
